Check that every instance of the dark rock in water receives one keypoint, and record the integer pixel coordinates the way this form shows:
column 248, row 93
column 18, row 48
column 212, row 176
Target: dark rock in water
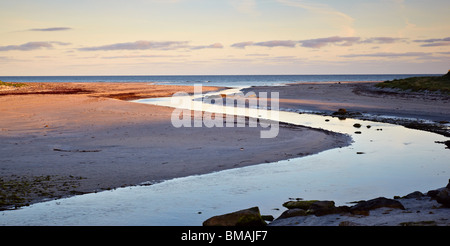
column 433, row 193
column 341, row 111
column 447, row 143
column 312, row 207
column 415, row 194
column 293, row 213
column 321, row 208
column 246, row 217
column 374, row 204
column 299, row 204
column 267, row 217
column 442, row 195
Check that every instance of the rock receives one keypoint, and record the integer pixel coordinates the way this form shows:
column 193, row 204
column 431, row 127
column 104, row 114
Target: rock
column 434, row 193
column 443, row 197
column 379, row 202
column 294, row 212
column 321, row 208
column 340, row 111
column 246, row 217
column 267, row 217
column 415, row 194
column 299, row 204
column 357, row 125
column 312, row 207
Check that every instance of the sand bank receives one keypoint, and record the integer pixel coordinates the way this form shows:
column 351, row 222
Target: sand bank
column 70, row 138
column 361, row 97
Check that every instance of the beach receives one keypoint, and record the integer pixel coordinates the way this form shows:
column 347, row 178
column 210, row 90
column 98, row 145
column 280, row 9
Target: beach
column 362, row 100
column 64, row 139
column 67, row 139
column 361, row 97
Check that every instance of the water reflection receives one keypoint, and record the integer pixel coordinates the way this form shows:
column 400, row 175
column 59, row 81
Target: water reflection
column 384, row 160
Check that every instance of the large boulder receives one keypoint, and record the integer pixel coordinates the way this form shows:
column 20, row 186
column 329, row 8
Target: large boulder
column 364, row 206
column 312, row 207
column 443, row 196
column 246, row 217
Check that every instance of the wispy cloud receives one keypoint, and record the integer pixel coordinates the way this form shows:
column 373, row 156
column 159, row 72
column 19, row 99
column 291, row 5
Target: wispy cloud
column 277, row 43
column 242, row 45
column 212, row 46
column 320, row 42
column 383, row 40
column 32, row 46
column 139, row 45
column 143, row 56
column 389, row 54
column 50, row 29
column 150, row 45
column 434, row 42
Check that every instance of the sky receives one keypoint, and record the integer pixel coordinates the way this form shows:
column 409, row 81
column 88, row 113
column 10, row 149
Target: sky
column 223, row 37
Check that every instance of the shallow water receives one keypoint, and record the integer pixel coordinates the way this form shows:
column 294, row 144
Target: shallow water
column 394, row 161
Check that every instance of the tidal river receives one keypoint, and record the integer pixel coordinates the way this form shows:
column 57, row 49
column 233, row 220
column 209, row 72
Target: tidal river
column 383, row 160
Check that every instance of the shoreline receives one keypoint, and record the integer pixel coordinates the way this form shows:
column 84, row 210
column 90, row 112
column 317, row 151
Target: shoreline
column 76, row 180
column 60, row 140
column 361, row 100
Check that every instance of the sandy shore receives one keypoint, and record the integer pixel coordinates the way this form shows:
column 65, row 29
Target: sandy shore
column 361, row 97
column 362, row 100
column 61, row 139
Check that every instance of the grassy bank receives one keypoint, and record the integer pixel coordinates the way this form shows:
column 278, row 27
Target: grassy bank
column 431, row 83
column 11, row 84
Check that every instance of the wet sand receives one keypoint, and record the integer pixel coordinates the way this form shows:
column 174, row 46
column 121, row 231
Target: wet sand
column 361, row 97
column 72, row 138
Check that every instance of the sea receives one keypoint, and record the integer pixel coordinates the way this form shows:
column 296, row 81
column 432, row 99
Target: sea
column 215, row 80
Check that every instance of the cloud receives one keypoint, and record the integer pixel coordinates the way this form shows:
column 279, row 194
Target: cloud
column 321, row 42
column 389, row 54
column 142, row 56
column 434, row 42
column 242, row 45
column 139, row 45
column 277, row 43
column 32, row 46
column 151, row 45
column 383, row 40
column 212, row 46
column 51, row 29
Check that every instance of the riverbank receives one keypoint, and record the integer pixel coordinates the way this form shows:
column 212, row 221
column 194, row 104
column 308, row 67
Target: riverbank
column 64, row 139
column 363, row 100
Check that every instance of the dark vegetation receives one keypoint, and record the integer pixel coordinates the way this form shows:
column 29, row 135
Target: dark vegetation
column 430, row 83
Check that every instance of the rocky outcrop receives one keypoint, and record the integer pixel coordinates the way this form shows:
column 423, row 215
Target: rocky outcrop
column 441, row 195
column 380, row 202
column 320, row 208
column 246, row 217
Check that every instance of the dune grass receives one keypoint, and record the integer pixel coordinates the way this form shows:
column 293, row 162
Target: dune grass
column 430, row 83
column 9, row 84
